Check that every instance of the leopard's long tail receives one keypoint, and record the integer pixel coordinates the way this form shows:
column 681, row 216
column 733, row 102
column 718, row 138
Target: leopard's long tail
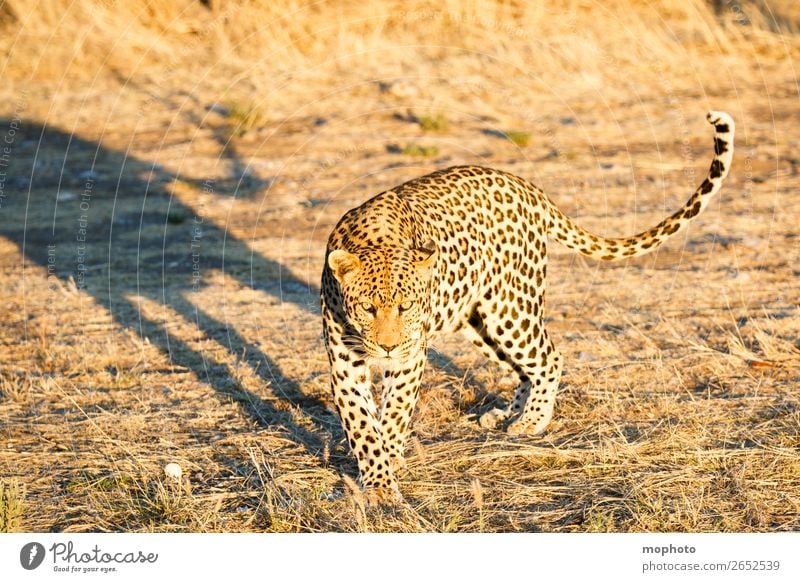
column 565, row 231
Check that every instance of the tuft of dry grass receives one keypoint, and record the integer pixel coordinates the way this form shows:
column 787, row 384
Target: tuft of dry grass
column 419, row 150
column 243, row 117
column 12, row 506
column 520, row 138
column 434, row 122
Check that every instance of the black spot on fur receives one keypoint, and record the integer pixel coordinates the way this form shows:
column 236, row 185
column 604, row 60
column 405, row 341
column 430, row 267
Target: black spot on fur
column 692, row 212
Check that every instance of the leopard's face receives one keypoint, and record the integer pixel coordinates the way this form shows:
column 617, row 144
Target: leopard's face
column 386, row 297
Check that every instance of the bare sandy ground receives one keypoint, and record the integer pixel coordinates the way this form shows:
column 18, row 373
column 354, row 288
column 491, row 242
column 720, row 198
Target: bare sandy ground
column 159, row 278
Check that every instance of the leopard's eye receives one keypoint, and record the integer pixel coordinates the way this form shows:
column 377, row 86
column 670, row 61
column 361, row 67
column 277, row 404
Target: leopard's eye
column 368, row 307
column 405, row 306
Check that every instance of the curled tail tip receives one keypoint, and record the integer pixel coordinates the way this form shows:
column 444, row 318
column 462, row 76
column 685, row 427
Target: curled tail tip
column 721, row 121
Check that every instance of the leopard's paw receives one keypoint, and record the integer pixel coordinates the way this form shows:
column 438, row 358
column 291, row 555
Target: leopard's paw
column 383, row 496
column 523, row 426
column 398, row 463
column 492, row 418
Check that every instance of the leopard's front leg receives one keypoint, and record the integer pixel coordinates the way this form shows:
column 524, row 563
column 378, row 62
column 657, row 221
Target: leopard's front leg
column 352, row 395
column 401, row 380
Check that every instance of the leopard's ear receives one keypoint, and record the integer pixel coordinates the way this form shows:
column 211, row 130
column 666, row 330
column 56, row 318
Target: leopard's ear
column 343, row 264
column 426, row 255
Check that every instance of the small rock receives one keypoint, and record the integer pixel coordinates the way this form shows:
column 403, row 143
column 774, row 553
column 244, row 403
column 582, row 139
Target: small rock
column 742, row 276
column 219, row 109
column 173, row 471
column 753, row 242
column 398, row 89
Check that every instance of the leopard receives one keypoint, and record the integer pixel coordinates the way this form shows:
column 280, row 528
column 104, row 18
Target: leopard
column 463, row 249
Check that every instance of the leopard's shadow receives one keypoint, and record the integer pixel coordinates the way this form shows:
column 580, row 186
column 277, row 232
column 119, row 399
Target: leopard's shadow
column 108, row 221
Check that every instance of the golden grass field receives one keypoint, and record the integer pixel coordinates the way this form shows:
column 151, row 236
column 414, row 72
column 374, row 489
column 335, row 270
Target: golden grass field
column 172, row 170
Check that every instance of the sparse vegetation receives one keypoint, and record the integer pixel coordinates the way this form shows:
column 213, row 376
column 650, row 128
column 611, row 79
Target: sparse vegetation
column 243, row 117
column 520, row 138
column 434, row 122
column 419, row 150
column 187, row 328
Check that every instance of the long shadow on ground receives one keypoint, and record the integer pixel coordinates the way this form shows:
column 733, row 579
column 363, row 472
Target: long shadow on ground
column 108, row 222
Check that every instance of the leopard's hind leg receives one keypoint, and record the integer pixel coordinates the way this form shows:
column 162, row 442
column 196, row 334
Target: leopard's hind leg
column 476, row 333
column 510, row 327
column 543, row 372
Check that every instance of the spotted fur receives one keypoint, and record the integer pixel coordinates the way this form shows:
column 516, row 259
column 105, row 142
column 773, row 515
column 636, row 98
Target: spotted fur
column 462, row 249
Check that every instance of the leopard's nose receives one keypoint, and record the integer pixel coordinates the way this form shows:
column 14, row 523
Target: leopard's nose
column 387, row 348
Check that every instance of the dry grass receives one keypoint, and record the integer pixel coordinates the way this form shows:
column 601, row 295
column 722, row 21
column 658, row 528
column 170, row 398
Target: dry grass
column 214, row 154
column 12, row 506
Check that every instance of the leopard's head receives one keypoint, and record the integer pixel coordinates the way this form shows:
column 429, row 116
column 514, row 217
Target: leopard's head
column 387, row 294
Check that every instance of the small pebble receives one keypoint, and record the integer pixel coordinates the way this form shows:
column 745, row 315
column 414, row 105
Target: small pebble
column 173, row 471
